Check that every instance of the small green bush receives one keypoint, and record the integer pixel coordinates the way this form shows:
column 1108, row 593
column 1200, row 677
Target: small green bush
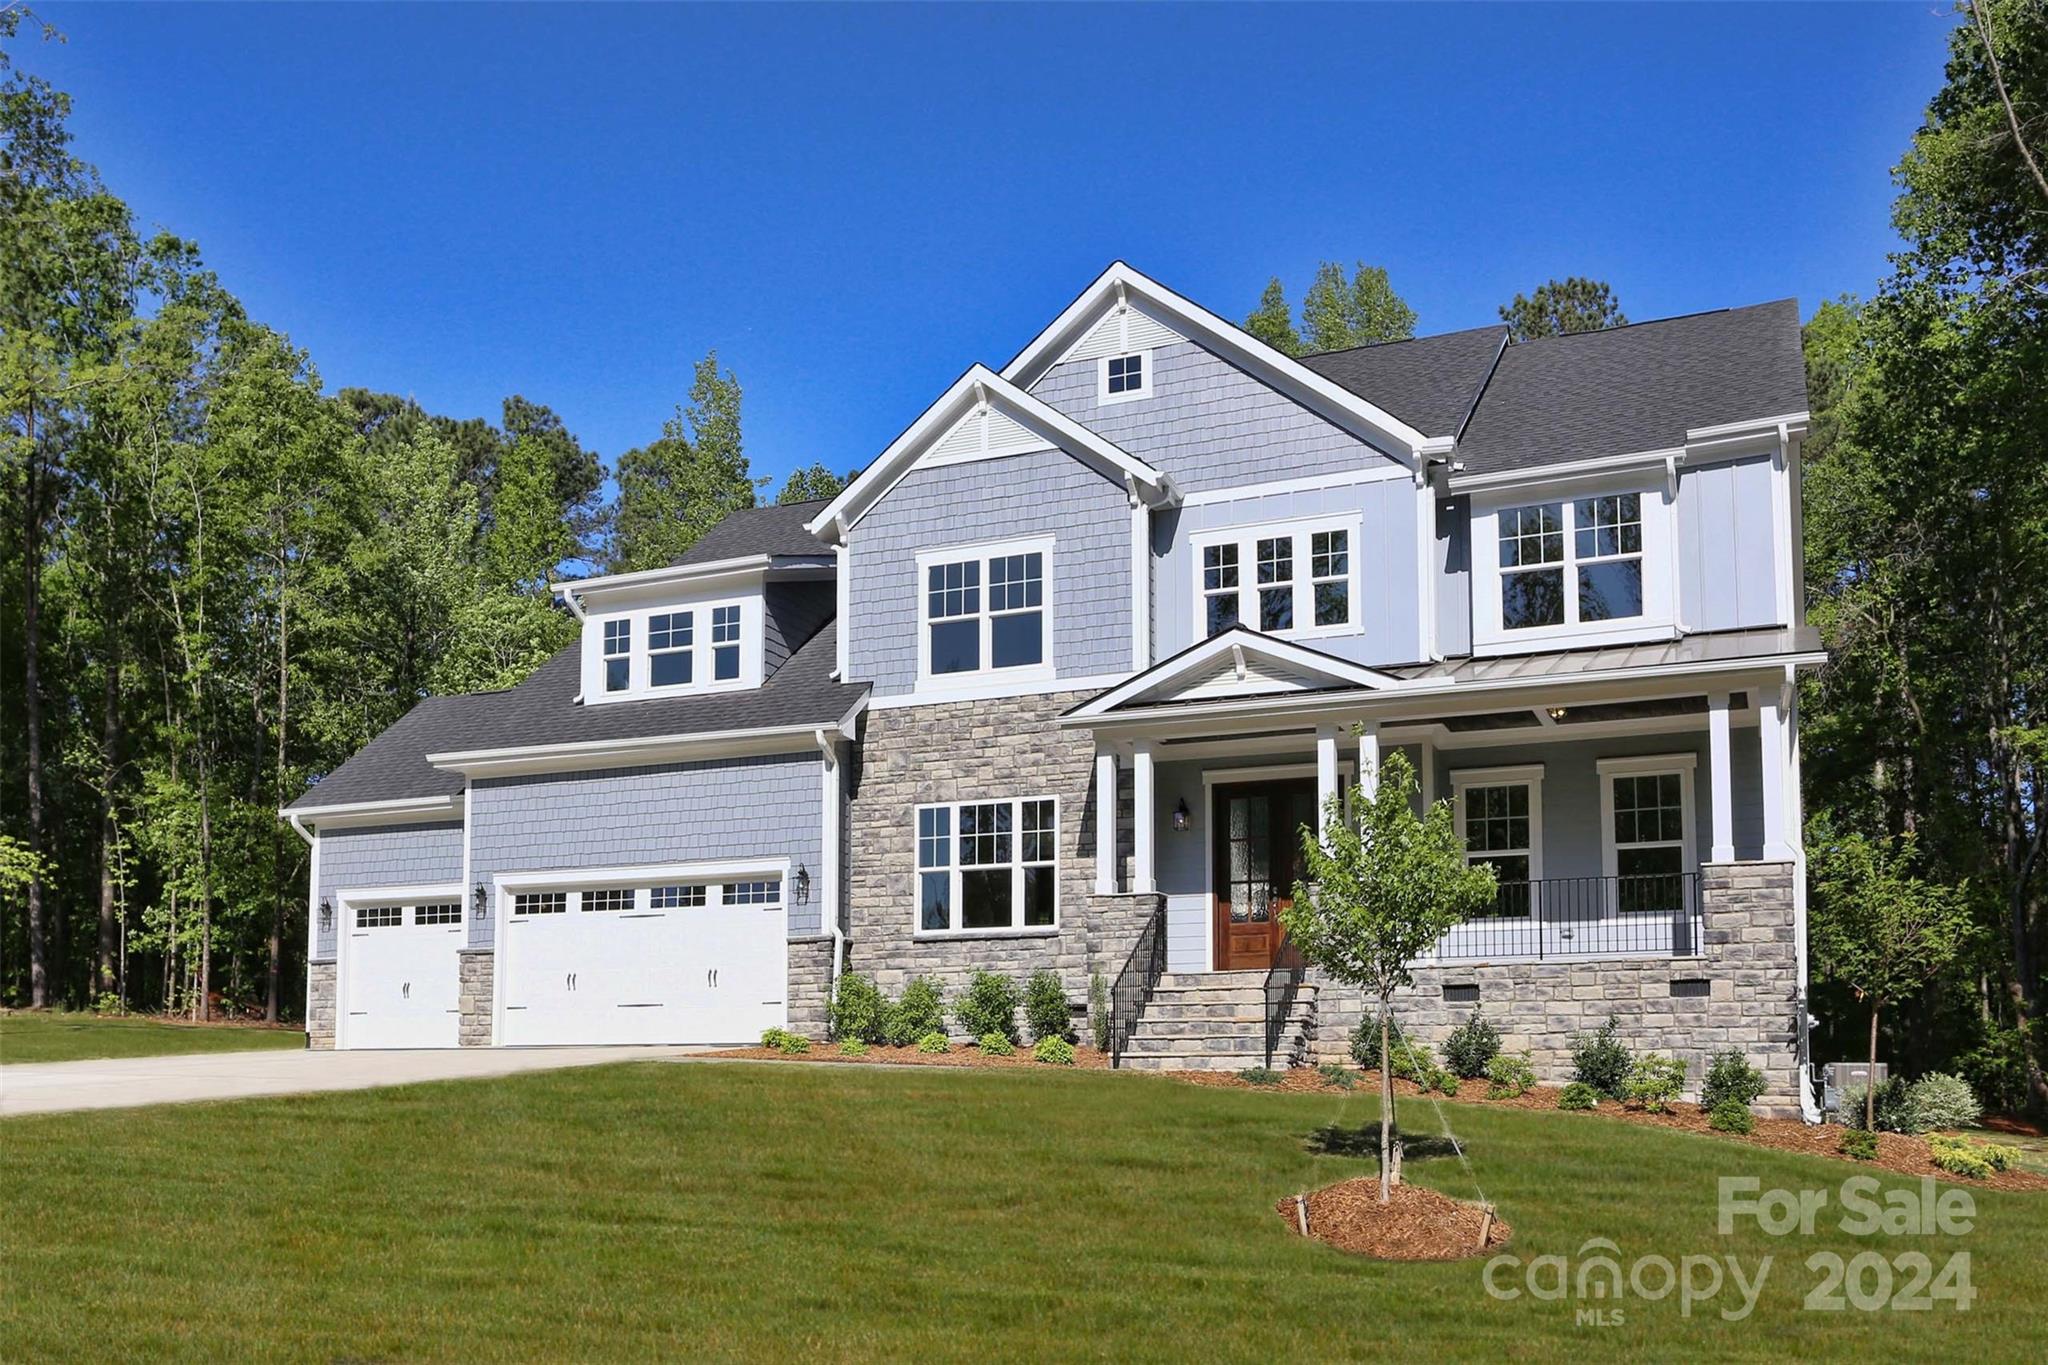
column 1098, row 1011
column 1600, row 1060
column 989, row 1006
column 1509, row 1076
column 1579, row 1095
column 1054, row 1052
column 1046, row 1008
column 1409, row 1060
column 1470, row 1046
column 1859, row 1145
column 1730, row 1077
column 1731, row 1116
column 919, row 1011
column 782, row 1040
column 1655, row 1082
column 1337, row 1074
column 1447, row 1083
column 1259, row 1075
column 1939, row 1100
column 1894, row 1112
column 853, row 1047
column 860, row 1011
column 933, row 1042
column 995, row 1045
column 1967, row 1157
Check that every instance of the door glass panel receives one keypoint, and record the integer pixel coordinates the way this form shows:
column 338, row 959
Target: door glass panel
column 1248, row 819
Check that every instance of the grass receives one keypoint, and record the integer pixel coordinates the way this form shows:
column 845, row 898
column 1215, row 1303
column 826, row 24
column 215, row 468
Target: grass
column 36, row 1036
column 770, row 1210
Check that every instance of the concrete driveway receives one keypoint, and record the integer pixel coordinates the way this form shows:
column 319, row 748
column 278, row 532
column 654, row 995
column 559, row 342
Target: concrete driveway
column 125, row 1082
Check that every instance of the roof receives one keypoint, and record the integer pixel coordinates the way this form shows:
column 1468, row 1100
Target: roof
column 1428, row 382
column 1628, row 390
column 1705, row 647
column 777, row 529
column 543, row 709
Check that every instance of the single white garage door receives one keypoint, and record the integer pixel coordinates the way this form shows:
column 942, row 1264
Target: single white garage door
column 399, row 976
column 664, row 962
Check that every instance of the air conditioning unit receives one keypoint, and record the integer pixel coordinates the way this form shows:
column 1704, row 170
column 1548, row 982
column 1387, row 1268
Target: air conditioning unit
column 1839, row 1076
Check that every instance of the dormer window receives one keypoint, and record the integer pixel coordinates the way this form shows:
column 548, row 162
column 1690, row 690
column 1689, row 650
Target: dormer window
column 669, row 637
column 1124, row 377
column 725, row 643
column 673, row 649
column 618, row 655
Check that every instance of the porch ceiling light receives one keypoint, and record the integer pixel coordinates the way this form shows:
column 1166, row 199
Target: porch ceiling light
column 1180, row 816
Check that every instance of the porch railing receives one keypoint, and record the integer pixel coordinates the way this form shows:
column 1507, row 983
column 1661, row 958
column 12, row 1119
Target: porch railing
column 1135, row 983
column 1558, row 917
column 1283, row 982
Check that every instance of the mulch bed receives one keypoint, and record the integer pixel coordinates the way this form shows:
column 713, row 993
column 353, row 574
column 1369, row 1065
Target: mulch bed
column 1415, row 1224
column 958, row 1055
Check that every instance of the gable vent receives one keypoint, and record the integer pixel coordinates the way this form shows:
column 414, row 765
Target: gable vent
column 1120, row 332
column 985, row 433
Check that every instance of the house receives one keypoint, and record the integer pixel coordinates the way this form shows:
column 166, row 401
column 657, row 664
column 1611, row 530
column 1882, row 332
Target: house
column 1053, row 683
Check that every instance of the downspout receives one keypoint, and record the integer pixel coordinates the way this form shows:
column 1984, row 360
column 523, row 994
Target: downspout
column 1808, row 1109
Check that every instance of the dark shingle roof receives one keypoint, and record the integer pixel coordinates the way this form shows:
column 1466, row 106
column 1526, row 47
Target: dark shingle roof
column 773, row 530
column 542, row 710
column 1430, row 382
column 1636, row 388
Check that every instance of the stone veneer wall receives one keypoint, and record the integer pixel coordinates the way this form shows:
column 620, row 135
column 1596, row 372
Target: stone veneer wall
column 980, row 750
column 320, row 1005
column 810, row 983
column 476, row 971
column 1752, row 1003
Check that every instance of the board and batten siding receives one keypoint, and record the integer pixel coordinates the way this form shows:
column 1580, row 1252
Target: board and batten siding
column 1727, row 571
column 1390, row 600
column 1208, row 424
column 936, row 508
column 382, row 856
column 1453, row 562
column 765, row 806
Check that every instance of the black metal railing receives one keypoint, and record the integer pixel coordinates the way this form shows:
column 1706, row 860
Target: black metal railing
column 1135, row 983
column 1283, row 982
column 1556, row 917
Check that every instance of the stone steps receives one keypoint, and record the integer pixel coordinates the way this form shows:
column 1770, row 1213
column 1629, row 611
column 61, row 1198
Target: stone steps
column 1217, row 1022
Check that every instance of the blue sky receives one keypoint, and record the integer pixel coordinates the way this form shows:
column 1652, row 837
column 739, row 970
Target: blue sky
column 853, row 204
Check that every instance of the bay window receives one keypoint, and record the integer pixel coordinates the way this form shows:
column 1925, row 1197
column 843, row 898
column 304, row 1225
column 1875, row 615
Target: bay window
column 988, row 866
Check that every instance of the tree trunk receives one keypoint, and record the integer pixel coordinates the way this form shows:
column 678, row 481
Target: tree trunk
column 110, row 763
column 1870, row 1081
column 274, row 972
column 32, row 704
column 1386, row 1108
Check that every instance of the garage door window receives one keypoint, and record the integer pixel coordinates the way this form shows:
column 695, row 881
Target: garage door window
column 608, row 898
column 988, row 866
column 676, row 898
column 445, row 912
column 541, row 903
column 379, row 916
column 753, row 893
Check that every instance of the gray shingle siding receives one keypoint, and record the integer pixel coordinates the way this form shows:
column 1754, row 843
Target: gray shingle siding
column 1727, row 576
column 380, row 856
column 980, row 502
column 791, row 614
column 766, row 806
column 1208, row 423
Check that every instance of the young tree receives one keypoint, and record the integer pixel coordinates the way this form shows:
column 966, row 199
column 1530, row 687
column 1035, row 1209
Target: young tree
column 811, row 485
column 1560, row 307
column 674, row 489
column 1383, row 885
column 1363, row 310
column 1878, row 928
column 1273, row 321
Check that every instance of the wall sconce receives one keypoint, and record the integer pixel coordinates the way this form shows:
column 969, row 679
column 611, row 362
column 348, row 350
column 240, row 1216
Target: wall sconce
column 1180, row 816
column 802, row 885
column 1557, row 713
column 482, row 902
column 326, row 917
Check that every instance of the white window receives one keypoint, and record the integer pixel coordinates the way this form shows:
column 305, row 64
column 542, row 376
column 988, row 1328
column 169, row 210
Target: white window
column 1554, row 574
column 1121, row 378
column 669, row 637
column 986, row 612
column 1646, row 814
column 618, row 655
column 444, row 912
column 1500, row 818
column 725, row 643
column 988, row 866
column 1297, row 580
column 659, row 651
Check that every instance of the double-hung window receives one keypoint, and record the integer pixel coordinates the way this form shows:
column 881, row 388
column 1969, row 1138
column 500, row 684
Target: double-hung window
column 1555, row 572
column 988, row 866
column 618, row 655
column 1281, row 580
column 1500, row 818
column 669, row 637
column 1648, row 813
column 986, row 612
column 725, row 643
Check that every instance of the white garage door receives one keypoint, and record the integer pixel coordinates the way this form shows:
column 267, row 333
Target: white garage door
column 657, row 962
column 399, row 979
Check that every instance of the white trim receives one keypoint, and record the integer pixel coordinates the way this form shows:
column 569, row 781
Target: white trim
column 623, row 753
column 1494, row 777
column 1658, row 519
column 1300, row 533
column 1649, row 765
column 980, row 554
column 1105, row 818
column 1784, row 570
column 842, row 590
column 1268, row 772
column 1506, row 480
column 1720, row 776
column 995, row 687
column 581, row 878
column 954, row 868
column 1144, row 389
column 1197, row 658
column 1311, row 484
column 702, row 651
column 1144, row 816
column 1528, row 775
column 1425, row 569
column 1141, row 585
column 1749, row 426
column 403, row 811
column 1638, row 764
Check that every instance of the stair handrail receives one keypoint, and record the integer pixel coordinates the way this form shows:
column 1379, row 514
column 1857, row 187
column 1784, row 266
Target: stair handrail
column 1135, row 984
column 1283, row 983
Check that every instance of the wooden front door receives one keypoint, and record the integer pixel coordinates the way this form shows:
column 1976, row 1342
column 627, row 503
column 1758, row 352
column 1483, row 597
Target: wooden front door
column 1257, row 862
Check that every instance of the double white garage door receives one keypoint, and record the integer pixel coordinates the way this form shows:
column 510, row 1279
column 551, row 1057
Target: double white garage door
column 633, row 961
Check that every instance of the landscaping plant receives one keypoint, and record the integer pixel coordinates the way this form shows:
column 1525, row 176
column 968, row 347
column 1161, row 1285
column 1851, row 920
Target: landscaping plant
column 783, row 1041
column 933, row 1042
column 1337, row 1074
column 995, row 1045
column 1380, row 887
column 1730, row 1077
column 1470, row 1046
column 1859, row 1144
column 988, row 1006
column 1655, row 1082
column 1259, row 1075
column 1098, row 1011
column 920, row 1011
column 1046, row 1008
column 1731, row 1116
column 1939, row 1100
column 1888, row 1111
column 1054, row 1052
column 1974, row 1160
column 1600, row 1060
column 1578, row 1095
column 853, row 1047
column 860, row 1012
column 1509, row 1076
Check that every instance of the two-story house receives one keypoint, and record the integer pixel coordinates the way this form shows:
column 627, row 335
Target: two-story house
column 1055, row 683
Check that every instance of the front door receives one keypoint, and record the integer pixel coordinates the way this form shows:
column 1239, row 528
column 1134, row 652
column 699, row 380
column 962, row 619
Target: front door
column 1258, row 860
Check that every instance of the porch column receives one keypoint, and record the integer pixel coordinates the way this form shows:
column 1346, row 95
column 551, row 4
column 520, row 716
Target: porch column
column 1143, row 880
column 1720, row 777
column 1105, row 820
column 1369, row 758
column 1425, row 758
column 1775, row 735
column 1326, row 772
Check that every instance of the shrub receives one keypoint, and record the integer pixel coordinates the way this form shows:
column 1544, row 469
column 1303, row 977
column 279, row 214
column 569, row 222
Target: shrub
column 1655, row 1082
column 1859, row 1145
column 1579, row 1095
column 1599, row 1060
column 1975, row 1160
column 1409, row 1060
column 783, row 1041
column 1731, row 1116
column 860, row 1011
column 921, row 1010
column 1894, row 1114
column 1259, row 1075
column 989, row 1006
column 1509, row 1075
column 1054, row 1052
column 853, row 1047
column 1447, row 1083
column 1098, row 1011
column 1470, row 1046
column 1730, row 1077
column 1939, row 1100
column 1046, row 1008
column 995, row 1045
column 1337, row 1074
column 933, row 1042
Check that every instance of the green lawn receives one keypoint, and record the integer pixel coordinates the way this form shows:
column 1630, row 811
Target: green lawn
column 35, row 1036
column 716, row 1211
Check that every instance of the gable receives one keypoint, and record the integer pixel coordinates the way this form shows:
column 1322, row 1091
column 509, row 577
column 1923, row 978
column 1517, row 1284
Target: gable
column 1237, row 663
column 984, row 433
column 1124, row 328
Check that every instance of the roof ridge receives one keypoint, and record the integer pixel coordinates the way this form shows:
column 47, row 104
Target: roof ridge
column 1653, row 322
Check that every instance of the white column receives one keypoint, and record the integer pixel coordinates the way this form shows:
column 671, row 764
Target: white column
column 1774, row 735
column 1425, row 758
column 827, row 880
column 1369, row 759
column 1326, row 772
column 1105, row 820
column 1720, row 777
column 1142, row 879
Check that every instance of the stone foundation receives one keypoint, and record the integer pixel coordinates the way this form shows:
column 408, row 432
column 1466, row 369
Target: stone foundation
column 320, row 1005
column 1749, row 966
column 810, row 985
column 476, row 970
